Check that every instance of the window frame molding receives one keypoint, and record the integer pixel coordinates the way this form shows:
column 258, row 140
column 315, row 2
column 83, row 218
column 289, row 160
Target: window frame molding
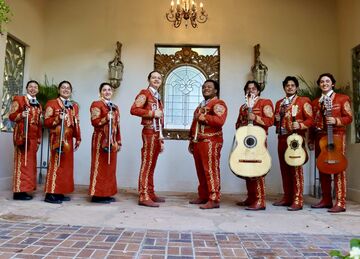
column 165, row 64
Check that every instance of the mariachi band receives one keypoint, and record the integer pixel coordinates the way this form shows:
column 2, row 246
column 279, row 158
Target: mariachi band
column 321, row 124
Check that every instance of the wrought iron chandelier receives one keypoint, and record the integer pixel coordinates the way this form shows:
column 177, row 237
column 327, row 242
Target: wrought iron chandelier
column 187, row 10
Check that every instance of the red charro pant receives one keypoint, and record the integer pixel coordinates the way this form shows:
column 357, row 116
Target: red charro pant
column 292, row 176
column 207, row 162
column 256, row 191
column 339, row 179
column 149, row 155
column 24, row 179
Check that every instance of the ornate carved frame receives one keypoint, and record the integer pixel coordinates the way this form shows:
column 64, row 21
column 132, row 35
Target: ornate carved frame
column 165, row 64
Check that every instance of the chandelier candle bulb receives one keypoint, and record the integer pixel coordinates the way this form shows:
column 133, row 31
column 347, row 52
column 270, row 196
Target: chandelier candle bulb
column 186, row 10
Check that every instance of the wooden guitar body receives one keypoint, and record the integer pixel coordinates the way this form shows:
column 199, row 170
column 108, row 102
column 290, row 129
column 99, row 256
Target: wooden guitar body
column 250, row 158
column 295, row 155
column 331, row 159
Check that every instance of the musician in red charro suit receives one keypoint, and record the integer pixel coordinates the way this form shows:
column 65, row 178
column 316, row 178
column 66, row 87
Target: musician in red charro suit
column 262, row 115
column 149, row 107
column 341, row 116
column 292, row 176
column 206, row 141
column 103, row 165
column 25, row 108
column 60, row 174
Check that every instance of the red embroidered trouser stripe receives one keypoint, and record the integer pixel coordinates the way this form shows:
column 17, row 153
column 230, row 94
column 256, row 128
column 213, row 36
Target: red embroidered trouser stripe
column 292, row 177
column 258, row 188
column 24, row 177
column 207, row 158
column 149, row 154
column 339, row 181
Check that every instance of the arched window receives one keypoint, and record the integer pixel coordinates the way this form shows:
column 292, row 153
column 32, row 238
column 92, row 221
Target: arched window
column 184, row 69
column 182, row 94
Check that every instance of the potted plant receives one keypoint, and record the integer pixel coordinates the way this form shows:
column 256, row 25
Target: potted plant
column 47, row 91
column 5, row 14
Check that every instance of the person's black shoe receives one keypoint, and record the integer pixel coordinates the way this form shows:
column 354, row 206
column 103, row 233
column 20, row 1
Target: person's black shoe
column 52, row 198
column 64, row 198
column 98, row 199
column 111, row 199
column 22, row 196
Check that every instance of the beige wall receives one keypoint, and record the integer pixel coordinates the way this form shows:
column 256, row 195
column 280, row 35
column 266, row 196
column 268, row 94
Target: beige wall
column 27, row 25
column 349, row 24
column 79, row 39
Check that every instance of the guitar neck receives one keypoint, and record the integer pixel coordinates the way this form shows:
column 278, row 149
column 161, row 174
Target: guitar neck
column 330, row 129
column 250, row 122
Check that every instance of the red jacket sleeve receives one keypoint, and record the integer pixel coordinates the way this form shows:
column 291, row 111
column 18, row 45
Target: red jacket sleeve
column 218, row 116
column 138, row 107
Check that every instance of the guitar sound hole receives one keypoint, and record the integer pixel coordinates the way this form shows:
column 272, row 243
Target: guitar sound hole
column 250, row 141
column 331, row 147
column 294, row 144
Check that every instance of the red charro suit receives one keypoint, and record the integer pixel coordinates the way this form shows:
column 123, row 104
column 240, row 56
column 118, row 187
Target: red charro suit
column 102, row 174
column 264, row 111
column 60, row 179
column 207, row 147
column 144, row 106
column 24, row 177
column 292, row 176
column 341, row 111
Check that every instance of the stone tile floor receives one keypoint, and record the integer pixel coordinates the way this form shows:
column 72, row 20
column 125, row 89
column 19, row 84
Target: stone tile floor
column 29, row 240
column 80, row 229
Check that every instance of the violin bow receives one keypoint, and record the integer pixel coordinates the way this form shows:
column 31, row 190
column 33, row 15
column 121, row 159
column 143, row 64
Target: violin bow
column 110, row 135
column 26, row 134
column 61, row 136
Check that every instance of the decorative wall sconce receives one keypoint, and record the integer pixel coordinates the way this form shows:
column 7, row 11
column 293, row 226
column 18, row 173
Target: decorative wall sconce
column 186, row 10
column 116, row 67
column 259, row 70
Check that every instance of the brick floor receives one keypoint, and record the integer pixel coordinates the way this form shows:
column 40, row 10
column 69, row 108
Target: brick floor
column 30, row 240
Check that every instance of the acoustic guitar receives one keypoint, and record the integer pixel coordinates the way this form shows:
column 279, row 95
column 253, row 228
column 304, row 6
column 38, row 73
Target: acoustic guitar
column 331, row 160
column 250, row 157
column 295, row 154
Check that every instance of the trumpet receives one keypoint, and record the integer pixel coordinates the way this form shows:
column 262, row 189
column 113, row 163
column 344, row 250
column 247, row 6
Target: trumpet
column 157, row 121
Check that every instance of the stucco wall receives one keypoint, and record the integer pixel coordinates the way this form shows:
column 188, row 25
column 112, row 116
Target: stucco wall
column 79, row 39
column 349, row 37
column 27, row 25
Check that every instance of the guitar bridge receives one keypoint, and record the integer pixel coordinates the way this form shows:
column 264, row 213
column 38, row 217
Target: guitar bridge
column 249, row 161
column 294, row 157
column 331, row 162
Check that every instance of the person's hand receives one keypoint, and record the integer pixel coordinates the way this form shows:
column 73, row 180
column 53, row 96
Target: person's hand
column 330, row 120
column 311, row 146
column 77, row 144
column 295, row 125
column 162, row 147
column 251, row 116
column 25, row 113
column 158, row 114
column 118, row 149
column 277, row 117
column 191, row 148
column 201, row 117
column 62, row 115
column 110, row 115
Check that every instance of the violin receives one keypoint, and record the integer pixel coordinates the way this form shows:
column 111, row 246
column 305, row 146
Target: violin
column 63, row 134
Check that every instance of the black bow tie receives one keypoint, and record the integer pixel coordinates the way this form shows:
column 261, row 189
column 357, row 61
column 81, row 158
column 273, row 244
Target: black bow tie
column 111, row 106
column 34, row 102
column 68, row 104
